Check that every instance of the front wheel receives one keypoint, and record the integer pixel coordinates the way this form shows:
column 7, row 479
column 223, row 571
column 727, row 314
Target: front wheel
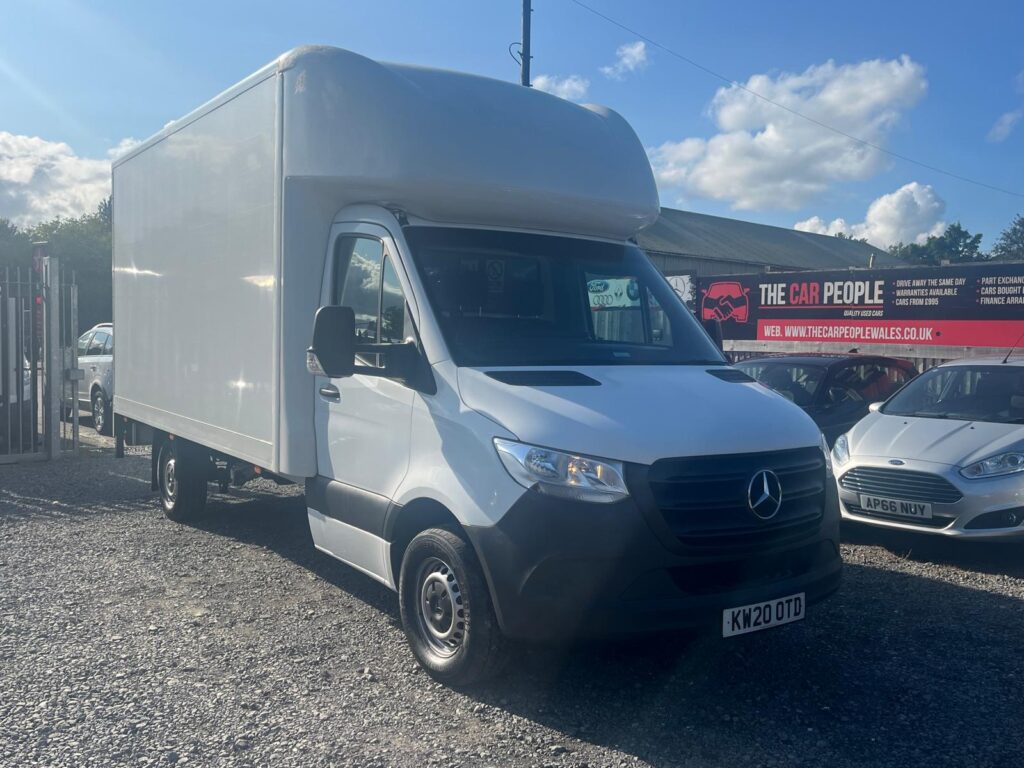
column 183, row 474
column 447, row 612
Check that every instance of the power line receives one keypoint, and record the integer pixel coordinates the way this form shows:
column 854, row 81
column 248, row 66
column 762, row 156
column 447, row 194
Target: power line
column 808, row 118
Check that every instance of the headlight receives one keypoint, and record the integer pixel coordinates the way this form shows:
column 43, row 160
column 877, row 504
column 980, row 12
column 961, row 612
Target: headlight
column 581, row 478
column 841, row 451
column 827, row 454
column 1003, row 464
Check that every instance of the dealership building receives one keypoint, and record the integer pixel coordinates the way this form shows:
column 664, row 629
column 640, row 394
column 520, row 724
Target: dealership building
column 685, row 243
column 780, row 290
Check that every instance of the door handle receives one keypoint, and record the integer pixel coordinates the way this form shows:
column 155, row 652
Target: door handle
column 330, row 392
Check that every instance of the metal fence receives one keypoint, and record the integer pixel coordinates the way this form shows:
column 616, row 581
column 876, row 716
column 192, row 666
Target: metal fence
column 38, row 328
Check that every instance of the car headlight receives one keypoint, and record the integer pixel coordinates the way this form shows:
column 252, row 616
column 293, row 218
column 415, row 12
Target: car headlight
column 827, row 454
column 1002, row 464
column 841, row 451
column 567, row 475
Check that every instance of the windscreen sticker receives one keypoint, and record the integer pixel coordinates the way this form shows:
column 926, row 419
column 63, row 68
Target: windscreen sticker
column 495, row 276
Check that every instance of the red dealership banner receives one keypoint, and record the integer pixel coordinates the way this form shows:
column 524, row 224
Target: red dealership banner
column 978, row 305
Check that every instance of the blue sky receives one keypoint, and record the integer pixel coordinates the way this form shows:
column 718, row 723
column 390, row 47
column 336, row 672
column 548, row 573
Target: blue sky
column 928, row 80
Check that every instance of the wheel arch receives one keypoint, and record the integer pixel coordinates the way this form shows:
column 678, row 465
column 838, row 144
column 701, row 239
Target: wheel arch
column 405, row 522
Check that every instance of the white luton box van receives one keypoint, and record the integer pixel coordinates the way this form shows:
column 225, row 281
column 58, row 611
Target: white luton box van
column 416, row 292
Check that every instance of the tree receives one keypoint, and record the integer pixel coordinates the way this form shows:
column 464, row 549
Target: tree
column 1010, row 245
column 844, row 236
column 15, row 247
column 956, row 245
column 83, row 245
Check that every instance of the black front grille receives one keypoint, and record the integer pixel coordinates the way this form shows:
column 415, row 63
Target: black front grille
column 703, row 499
column 900, row 484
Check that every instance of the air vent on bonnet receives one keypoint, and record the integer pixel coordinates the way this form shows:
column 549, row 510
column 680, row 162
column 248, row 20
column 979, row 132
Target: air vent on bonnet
column 730, row 374
column 544, row 378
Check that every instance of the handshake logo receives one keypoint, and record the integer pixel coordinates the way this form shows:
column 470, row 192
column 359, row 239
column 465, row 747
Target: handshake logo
column 726, row 301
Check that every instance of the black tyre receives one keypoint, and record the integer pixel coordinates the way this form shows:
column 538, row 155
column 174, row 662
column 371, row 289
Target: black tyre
column 182, row 474
column 447, row 612
column 101, row 420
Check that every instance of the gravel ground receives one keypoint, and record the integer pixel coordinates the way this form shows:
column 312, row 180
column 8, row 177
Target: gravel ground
column 126, row 639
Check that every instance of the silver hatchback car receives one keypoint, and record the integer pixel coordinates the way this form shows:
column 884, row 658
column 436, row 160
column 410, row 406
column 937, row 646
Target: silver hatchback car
column 96, row 360
column 944, row 455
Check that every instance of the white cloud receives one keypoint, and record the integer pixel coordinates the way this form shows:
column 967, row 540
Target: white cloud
column 41, row 179
column 908, row 215
column 573, row 87
column 766, row 157
column 123, row 147
column 629, row 57
column 1003, row 127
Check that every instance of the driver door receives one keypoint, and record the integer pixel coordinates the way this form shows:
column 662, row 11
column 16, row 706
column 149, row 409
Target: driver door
column 362, row 422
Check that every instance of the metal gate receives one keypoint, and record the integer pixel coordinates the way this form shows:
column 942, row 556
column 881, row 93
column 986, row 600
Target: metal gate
column 38, row 362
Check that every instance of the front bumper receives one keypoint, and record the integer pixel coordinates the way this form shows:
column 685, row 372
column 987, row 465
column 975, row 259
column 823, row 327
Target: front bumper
column 559, row 569
column 979, row 515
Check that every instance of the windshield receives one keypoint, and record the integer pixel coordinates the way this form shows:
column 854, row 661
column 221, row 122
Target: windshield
column 794, row 381
column 968, row 392
column 504, row 298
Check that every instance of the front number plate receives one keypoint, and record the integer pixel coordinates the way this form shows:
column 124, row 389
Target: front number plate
column 918, row 509
column 771, row 613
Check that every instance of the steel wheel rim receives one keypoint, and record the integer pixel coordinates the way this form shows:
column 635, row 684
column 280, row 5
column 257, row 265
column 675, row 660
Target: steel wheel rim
column 441, row 609
column 170, row 480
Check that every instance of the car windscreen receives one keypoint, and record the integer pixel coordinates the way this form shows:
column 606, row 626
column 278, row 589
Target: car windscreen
column 967, row 392
column 797, row 382
column 507, row 298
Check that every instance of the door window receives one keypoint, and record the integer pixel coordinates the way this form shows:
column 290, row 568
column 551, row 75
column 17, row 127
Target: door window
column 393, row 325
column 83, row 343
column 366, row 280
column 108, row 348
column 357, row 282
column 96, row 345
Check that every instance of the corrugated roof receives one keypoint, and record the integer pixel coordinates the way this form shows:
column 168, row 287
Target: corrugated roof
column 715, row 237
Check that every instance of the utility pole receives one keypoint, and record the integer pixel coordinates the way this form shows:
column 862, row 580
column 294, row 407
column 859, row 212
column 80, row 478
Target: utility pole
column 524, row 62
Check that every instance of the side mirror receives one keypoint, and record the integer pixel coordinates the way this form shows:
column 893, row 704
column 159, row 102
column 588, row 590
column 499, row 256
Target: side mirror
column 874, row 407
column 333, row 351
column 714, row 330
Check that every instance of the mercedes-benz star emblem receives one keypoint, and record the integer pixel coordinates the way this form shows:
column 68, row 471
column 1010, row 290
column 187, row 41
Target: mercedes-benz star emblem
column 764, row 494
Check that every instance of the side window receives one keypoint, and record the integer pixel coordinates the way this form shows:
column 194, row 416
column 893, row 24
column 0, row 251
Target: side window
column 83, row 343
column 108, row 348
column 96, row 345
column 357, row 282
column 393, row 326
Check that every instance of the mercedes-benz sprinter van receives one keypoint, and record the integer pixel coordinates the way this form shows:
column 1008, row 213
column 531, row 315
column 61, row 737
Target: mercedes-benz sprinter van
column 417, row 293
